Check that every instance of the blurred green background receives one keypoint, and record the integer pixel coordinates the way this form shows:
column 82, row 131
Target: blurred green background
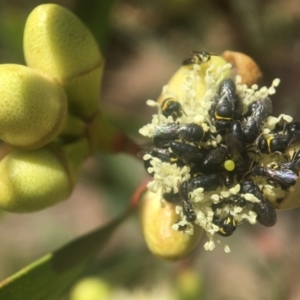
column 144, row 42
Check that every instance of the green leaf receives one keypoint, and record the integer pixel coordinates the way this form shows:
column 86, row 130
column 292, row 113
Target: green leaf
column 50, row 275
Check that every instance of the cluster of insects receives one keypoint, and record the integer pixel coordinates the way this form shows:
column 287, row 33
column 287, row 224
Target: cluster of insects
column 246, row 155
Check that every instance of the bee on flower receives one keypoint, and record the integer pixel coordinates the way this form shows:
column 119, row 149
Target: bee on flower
column 231, row 159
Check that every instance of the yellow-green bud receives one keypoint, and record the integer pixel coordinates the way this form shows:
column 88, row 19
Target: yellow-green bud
column 90, row 288
column 33, row 107
column 58, row 43
column 73, row 128
column 36, row 179
column 157, row 219
column 179, row 77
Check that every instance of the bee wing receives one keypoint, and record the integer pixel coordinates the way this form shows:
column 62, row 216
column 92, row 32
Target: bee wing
column 166, row 130
column 284, row 176
column 263, row 110
column 234, row 145
column 295, row 140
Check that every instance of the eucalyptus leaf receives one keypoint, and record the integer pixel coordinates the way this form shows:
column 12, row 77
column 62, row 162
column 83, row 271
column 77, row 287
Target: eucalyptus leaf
column 49, row 276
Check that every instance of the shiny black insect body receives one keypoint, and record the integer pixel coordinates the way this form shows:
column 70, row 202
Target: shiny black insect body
column 227, row 179
column 211, row 182
column 226, row 105
column 285, row 178
column 207, row 182
column 172, row 198
column 199, row 57
column 293, row 164
column 189, row 154
column 236, row 147
column 280, row 142
column 273, row 143
column 260, row 110
column 187, row 206
column 266, row 214
column 171, row 107
column 227, row 225
column 161, row 153
column 233, row 200
column 191, row 132
column 214, row 160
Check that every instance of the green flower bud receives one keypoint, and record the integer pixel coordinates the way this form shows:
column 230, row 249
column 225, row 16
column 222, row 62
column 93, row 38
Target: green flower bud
column 33, row 180
column 73, row 128
column 58, row 43
column 91, row 288
column 179, row 77
column 157, row 219
column 33, row 107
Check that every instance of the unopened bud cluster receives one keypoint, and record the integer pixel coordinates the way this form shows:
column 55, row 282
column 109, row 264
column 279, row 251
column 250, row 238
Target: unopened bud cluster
column 46, row 107
column 219, row 156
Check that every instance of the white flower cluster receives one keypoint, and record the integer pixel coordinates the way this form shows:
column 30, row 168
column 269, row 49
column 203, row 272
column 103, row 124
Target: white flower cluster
column 213, row 211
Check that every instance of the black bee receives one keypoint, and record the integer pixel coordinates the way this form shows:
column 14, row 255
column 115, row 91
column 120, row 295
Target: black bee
column 226, row 225
column 273, row 143
column 236, row 147
column 213, row 162
column 187, row 153
column 171, row 107
column 163, row 154
column 232, row 200
column 285, row 178
column 166, row 133
column 187, row 206
column 225, row 107
column 293, row 164
column 199, row 57
column 207, row 182
column 280, row 142
column 266, row 214
column 292, row 128
column 260, row 110
column 211, row 182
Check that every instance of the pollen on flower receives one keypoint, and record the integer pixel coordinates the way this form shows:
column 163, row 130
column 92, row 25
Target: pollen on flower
column 209, row 245
column 215, row 150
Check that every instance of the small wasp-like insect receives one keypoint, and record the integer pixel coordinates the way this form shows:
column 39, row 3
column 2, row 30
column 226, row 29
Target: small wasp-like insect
column 161, row 153
column 227, row 225
column 190, row 132
column 207, row 182
column 187, row 206
column 211, row 182
column 214, row 160
column 280, row 142
column 171, row 107
column 199, row 57
column 236, row 147
column 285, row 178
column 293, row 164
column 260, row 110
column 232, row 200
column 189, row 154
column 266, row 214
column 225, row 106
